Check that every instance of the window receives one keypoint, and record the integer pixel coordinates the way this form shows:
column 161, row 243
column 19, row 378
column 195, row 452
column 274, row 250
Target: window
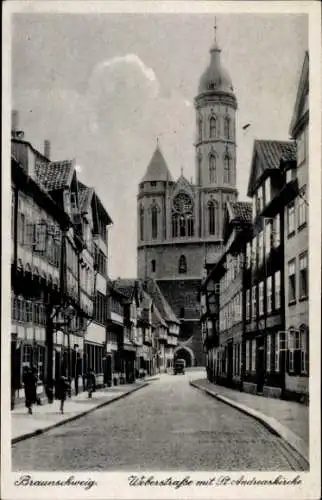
column 290, row 174
column 181, row 312
column 212, row 168
column 247, row 367
column 301, row 148
column 227, row 169
column 99, row 260
column 254, row 251
column 213, row 127
column 291, row 219
column 268, row 194
column 279, row 347
column 303, row 281
column 260, row 247
column 268, row 237
column 268, row 352
column 291, row 281
column 277, row 291
column 182, row 216
column 200, row 129
column 154, row 220
column 26, row 355
column 141, row 223
column 293, row 348
column 304, row 350
column 269, row 295
column 21, row 228
column 254, row 302
column 253, row 367
column 302, row 208
column 153, row 265
column 41, row 361
column 276, row 231
column 248, row 254
column 254, row 206
column 212, row 217
column 153, row 183
column 259, row 201
column 182, row 265
column 100, row 308
column 248, row 308
column 227, row 131
column 261, row 298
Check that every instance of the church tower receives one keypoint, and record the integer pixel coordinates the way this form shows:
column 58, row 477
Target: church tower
column 180, row 223
column 215, row 146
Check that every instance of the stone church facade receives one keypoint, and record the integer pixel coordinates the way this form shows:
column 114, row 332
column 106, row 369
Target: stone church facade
column 180, row 224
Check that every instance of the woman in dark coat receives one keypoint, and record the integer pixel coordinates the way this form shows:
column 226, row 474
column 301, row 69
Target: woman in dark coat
column 63, row 388
column 30, row 386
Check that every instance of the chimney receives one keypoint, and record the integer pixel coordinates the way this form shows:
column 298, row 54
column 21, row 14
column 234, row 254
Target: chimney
column 14, row 120
column 47, row 149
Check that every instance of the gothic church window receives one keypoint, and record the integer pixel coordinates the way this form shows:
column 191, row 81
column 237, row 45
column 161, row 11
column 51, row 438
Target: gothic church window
column 227, row 127
column 154, row 221
column 227, row 169
column 212, row 168
column 153, row 266
column 141, row 223
column 182, row 216
column 182, row 265
column 212, row 217
column 213, row 127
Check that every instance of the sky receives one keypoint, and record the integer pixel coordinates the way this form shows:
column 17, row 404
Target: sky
column 103, row 87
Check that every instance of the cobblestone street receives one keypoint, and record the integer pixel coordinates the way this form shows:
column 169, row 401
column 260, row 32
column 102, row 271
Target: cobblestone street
column 167, row 425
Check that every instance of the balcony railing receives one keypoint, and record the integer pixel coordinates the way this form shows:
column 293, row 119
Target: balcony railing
column 28, row 311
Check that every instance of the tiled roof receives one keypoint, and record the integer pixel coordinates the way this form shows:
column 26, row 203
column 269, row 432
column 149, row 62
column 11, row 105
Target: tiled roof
column 242, row 211
column 154, row 291
column 55, row 175
column 157, row 169
column 125, row 286
column 272, row 152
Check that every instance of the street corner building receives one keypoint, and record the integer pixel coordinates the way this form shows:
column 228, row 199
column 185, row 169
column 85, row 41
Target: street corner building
column 254, row 299
column 180, row 223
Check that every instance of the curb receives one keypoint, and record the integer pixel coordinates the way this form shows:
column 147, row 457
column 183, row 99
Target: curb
column 37, row 432
column 270, row 423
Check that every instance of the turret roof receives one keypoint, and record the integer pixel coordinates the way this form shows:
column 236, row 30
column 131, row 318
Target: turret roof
column 157, row 169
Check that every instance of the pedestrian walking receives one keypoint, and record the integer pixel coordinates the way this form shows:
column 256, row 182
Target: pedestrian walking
column 63, row 388
column 91, row 383
column 30, row 386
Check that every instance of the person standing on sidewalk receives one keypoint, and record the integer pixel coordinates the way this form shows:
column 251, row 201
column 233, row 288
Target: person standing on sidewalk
column 63, row 388
column 30, row 386
column 91, row 383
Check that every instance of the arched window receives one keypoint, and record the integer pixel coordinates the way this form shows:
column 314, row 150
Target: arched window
column 182, row 265
column 154, row 220
column 212, row 168
column 227, row 169
column 182, row 216
column 212, row 217
column 227, row 128
column 212, row 127
column 200, row 129
column 141, row 223
column 153, row 266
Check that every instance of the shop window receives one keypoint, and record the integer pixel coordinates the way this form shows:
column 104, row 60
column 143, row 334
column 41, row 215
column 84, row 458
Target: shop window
column 253, row 358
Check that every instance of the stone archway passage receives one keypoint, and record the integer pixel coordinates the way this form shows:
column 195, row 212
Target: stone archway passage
column 186, row 354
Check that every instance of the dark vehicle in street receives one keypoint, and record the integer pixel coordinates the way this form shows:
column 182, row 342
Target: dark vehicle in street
column 179, row 366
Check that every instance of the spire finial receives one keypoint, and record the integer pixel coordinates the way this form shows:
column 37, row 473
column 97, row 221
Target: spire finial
column 215, row 30
column 157, row 141
column 182, row 171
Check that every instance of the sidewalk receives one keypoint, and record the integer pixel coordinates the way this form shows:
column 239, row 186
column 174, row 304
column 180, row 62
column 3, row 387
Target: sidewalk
column 288, row 419
column 47, row 416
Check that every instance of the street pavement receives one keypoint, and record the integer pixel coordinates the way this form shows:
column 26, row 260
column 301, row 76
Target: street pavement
column 167, row 425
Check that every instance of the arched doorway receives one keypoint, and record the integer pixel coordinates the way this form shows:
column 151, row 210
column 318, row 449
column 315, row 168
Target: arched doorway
column 185, row 353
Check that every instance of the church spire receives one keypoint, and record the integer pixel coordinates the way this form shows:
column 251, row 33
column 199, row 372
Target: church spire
column 215, row 47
